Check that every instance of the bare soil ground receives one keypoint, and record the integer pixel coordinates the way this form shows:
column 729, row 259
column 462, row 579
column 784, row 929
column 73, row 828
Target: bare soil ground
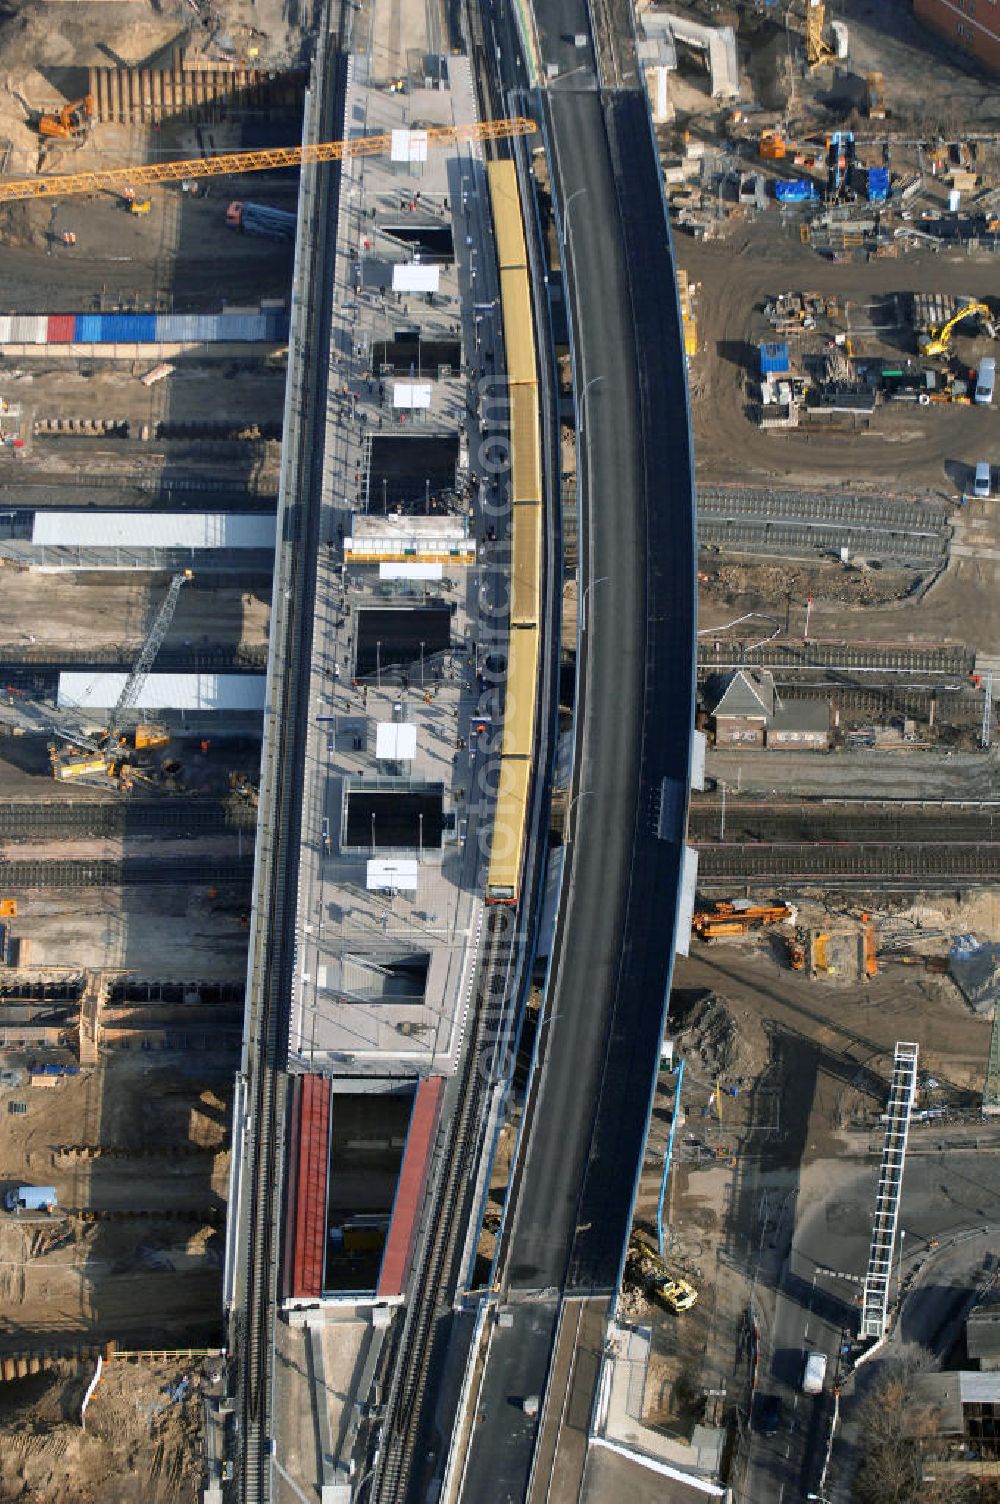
column 107, row 610
column 162, row 931
column 140, row 1281
column 806, row 1059
column 141, row 1445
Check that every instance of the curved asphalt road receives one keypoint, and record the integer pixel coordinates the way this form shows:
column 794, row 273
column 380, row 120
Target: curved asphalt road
column 606, row 1010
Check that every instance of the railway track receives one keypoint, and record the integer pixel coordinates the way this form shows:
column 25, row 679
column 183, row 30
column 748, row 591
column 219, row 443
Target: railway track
column 178, row 493
column 124, row 874
column 397, row 1475
column 32, row 822
column 820, row 822
column 239, row 659
column 945, row 659
column 914, row 865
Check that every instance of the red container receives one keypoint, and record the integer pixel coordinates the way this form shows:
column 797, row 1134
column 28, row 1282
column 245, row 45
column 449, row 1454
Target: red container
column 60, row 329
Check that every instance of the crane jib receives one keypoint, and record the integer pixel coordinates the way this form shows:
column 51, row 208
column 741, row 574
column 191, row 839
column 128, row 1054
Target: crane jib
column 59, row 185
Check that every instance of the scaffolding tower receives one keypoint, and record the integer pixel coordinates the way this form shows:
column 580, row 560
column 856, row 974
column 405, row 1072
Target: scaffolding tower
column 875, row 1301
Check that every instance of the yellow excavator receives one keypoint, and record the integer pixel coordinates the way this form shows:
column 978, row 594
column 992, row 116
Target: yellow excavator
column 72, row 121
column 938, row 340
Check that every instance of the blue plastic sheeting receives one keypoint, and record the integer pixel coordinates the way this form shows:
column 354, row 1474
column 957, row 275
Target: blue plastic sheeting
column 115, row 329
column 236, row 328
column 878, row 184
column 774, row 360
column 796, row 191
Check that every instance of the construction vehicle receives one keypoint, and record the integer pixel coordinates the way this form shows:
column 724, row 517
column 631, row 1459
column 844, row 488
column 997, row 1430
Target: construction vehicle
column 725, row 919
column 772, row 146
column 102, row 756
column 261, row 219
column 114, row 179
column 875, row 83
column 664, row 1284
column 72, row 121
column 796, row 953
column 938, row 340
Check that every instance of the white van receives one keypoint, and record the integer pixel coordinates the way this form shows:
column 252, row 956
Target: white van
column 985, row 379
column 981, row 484
column 813, row 1372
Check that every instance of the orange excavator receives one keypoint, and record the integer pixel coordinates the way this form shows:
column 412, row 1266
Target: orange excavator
column 72, row 121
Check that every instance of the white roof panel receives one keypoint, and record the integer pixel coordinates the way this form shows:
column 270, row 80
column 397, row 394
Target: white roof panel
column 411, row 571
column 396, row 741
column 415, row 276
column 94, row 691
column 383, row 873
column 153, row 529
column 408, row 146
column 411, row 394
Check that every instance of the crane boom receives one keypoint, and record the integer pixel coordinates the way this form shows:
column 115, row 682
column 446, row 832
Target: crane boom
column 147, row 655
column 59, row 185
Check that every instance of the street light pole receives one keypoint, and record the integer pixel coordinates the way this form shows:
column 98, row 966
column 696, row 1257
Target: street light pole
column 565, row 215
column 583, row 397
column 583, row 600
column 580, row 794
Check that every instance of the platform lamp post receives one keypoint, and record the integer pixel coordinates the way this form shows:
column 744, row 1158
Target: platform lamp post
column 378, row 665
column 373, row 835
column 421, row 665
column 420, row 835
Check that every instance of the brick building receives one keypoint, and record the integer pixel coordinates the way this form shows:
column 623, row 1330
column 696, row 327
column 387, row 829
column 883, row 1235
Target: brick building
column 973, row 25
column 745, row 710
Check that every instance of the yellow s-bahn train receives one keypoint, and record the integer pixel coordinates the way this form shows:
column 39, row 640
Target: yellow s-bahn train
column 513, row 796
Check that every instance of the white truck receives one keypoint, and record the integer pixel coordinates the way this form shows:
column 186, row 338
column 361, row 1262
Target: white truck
column 813, row 1372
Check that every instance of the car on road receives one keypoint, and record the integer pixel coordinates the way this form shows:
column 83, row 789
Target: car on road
column 676, row 1294
column 813, row 1372
column 769, row 1414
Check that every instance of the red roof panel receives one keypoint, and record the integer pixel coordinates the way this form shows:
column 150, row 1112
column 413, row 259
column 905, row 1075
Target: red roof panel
column 311, row 1187
column 412, row 1184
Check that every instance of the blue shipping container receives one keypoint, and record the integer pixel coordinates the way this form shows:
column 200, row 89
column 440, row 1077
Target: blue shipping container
column 774, row 360
column 878, row 184
column 796, row 191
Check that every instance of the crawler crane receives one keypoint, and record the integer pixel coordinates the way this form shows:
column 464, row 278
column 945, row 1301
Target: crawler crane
column 104, row 755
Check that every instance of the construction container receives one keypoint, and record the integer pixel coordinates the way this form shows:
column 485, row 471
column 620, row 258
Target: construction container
column 878, row 184
column 60, row 328
column 774, row 360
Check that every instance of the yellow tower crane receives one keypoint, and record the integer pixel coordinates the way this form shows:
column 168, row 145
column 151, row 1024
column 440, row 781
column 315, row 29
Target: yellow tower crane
column 115, row 179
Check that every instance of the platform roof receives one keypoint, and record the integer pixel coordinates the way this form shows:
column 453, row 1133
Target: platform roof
column 85, row 529
column 98, row 691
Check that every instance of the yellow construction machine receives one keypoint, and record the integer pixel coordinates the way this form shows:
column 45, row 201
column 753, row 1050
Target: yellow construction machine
column 72, row 121
column 728, row 919
column 938, row 340
column 818, row 49
column 104, row 756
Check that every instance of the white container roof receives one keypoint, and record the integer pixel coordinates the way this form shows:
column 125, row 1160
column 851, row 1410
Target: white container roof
column 86, row 529
column 383, row 873
column 396, row 741
column 95, row 691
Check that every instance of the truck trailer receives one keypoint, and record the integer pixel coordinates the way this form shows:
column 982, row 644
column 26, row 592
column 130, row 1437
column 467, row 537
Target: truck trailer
column 31, row 1198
